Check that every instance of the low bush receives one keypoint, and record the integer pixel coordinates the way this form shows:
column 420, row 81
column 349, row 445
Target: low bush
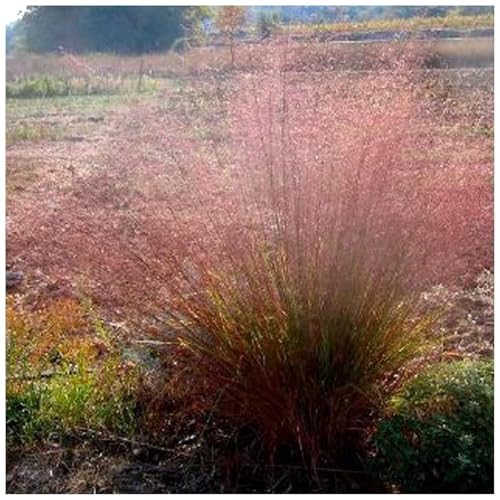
column 439, row 435
column 63, row 372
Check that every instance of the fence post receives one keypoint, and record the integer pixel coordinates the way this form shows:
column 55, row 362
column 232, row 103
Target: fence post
column 139, row 81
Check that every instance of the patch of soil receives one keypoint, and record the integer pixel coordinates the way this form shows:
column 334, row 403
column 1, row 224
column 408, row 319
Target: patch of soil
column 468, row 327
column 98, row 467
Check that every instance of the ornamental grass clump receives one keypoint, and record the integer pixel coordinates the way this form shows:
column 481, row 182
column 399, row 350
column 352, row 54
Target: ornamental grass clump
column 308, row 369
column 299, row 294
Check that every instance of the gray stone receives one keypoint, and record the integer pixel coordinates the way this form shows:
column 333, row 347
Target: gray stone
column 14, row 278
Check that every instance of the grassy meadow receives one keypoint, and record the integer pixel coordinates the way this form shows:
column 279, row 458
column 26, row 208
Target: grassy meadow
column 411, row 24
column 264, row 276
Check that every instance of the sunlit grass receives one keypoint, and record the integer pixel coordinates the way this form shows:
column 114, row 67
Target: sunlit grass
column 63, row 374
column 410, row 24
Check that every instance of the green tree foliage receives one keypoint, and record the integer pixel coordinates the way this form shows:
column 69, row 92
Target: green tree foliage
column 194, row 18
column 11, row 36
column 120, row 29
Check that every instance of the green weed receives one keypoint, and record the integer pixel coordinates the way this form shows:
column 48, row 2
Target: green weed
column 63, row 375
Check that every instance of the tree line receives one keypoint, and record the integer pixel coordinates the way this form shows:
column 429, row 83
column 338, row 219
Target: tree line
column 120, row 29
column 133, row 29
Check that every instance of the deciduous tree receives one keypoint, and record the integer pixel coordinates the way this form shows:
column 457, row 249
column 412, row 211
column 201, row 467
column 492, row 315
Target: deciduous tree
column 230, row 20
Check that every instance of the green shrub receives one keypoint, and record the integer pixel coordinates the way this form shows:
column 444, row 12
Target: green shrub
column 439, row 434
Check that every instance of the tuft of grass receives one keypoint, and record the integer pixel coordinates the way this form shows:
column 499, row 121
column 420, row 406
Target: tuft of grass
column 20, row 175
column 39, row 86
column 45, row 86
column 32, row 132
column 62, row 375
column 479, row 131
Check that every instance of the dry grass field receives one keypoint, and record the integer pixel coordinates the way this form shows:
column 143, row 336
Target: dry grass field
column 131, row 180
